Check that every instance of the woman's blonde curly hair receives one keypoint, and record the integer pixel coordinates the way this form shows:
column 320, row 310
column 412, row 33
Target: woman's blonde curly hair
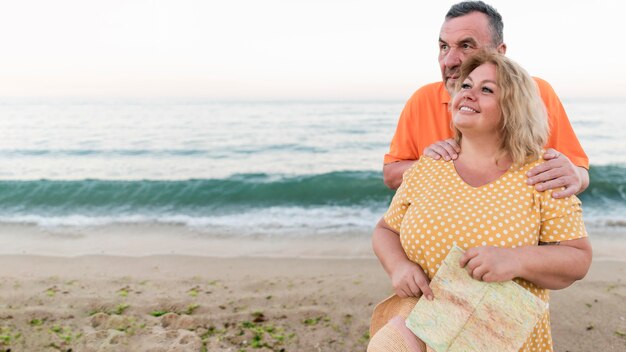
column 524, row 126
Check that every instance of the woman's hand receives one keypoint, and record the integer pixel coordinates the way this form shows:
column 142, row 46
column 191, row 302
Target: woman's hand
column 408, row 280
column 491, row 264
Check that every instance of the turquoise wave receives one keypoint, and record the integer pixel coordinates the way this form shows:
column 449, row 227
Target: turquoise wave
column 345, row 188
column 607, row 186
column 238, row 191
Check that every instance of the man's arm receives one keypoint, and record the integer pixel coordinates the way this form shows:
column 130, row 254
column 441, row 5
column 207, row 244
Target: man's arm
column 584, row 177
column 392, row 172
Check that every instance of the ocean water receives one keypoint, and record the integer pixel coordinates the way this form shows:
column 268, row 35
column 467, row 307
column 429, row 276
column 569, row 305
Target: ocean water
column 237, row 168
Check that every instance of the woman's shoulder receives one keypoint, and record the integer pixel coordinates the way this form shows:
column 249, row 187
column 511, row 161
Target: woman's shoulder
column 532, row 163
column 430, row 162
column 545, row 197
column 424, row 167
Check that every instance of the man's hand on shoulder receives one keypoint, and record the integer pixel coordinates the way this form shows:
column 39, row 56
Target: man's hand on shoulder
column 558, row 171
column 392, row 172
column 447, row 149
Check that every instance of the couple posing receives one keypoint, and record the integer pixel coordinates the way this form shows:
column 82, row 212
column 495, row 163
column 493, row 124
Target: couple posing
column 488, row 185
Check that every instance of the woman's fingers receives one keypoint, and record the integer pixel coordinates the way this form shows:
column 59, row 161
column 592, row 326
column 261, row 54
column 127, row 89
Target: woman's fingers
column 422, row 282
column 415, row 289
column 478, row 273
column 401, row 293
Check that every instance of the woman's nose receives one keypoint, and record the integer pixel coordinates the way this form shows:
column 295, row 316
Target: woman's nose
column 468, row 94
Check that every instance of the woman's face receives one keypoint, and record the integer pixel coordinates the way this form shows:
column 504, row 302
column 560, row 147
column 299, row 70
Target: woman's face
column 475, row 107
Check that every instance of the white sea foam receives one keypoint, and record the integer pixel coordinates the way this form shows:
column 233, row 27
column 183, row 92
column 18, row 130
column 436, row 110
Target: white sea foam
column 274, row 221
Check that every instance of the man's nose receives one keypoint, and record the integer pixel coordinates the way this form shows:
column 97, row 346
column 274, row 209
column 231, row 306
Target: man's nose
column 452, row 58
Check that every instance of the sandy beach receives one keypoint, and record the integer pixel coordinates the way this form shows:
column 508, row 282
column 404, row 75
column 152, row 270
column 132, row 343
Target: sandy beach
column 247, row 303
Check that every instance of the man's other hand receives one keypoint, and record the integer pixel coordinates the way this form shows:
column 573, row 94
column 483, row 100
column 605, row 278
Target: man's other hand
column 558, row 171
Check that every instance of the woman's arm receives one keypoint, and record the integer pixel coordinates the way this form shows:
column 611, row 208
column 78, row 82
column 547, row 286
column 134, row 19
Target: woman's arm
column 554, row 266
column 408, row 278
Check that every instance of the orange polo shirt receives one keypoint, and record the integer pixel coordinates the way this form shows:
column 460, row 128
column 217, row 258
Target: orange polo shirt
column 426, row 120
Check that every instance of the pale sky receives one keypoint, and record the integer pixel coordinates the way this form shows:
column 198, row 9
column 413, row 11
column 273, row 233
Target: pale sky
column 290, row 49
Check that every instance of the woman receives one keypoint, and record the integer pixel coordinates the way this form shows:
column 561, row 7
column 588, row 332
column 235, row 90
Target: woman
column 481, row 203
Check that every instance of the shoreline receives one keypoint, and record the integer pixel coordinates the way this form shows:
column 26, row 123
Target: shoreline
column 158, row 239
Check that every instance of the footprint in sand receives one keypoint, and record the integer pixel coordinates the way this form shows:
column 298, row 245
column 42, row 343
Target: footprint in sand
column 171, row 341
column 98, row 320
column 173, row 321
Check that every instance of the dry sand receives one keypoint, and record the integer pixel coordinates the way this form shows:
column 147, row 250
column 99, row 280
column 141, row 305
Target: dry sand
column 252, row 299
column 186, row 303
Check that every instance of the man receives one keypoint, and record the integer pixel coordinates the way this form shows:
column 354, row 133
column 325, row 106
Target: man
column 424, row 125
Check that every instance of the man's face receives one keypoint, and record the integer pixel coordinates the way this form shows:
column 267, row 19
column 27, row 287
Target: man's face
column 460, row 38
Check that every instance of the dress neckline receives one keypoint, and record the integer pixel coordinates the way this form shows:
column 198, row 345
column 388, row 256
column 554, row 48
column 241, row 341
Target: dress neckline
column 492, row 182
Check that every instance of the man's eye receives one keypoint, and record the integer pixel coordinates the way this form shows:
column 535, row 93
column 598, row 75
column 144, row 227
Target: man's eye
column 466, row 86
column 443, row 47
column 487, row 90
column 467, row 46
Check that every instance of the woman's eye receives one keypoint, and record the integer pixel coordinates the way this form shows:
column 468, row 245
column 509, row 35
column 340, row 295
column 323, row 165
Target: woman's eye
column 487, row 90
column 466, row 86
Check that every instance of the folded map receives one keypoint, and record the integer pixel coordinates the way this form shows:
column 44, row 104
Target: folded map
column 471, row 315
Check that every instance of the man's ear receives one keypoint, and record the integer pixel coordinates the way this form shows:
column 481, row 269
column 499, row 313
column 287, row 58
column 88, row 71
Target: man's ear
column 501, row 48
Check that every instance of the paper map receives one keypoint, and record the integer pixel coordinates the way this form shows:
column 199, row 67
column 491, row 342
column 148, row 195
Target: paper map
column 471, row 315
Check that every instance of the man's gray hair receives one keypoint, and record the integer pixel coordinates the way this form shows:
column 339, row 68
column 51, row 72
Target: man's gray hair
column 495, row 20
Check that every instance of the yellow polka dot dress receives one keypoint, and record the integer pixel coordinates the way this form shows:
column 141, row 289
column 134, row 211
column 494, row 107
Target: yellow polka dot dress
column 434, row 209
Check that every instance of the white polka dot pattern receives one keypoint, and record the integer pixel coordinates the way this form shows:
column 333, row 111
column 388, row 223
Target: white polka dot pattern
column 434, row 209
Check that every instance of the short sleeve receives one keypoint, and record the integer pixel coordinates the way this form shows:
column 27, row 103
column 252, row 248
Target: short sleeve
column 561, row 219
column 401, row 200
column 402, row 143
